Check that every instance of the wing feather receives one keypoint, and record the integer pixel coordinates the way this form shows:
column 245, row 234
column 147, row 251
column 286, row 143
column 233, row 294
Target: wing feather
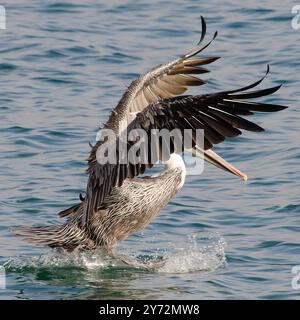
column 164, row 81
column 218, row 114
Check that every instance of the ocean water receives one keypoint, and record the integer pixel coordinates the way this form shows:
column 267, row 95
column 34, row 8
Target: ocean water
column 63, row 67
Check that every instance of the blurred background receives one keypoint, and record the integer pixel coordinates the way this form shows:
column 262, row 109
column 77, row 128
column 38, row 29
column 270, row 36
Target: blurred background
column 64, row 66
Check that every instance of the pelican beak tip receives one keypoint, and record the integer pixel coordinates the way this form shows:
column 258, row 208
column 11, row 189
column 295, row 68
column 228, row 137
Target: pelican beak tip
column 245, row 177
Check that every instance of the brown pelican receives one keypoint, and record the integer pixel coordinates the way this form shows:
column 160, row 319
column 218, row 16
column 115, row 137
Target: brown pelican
column 120, row 201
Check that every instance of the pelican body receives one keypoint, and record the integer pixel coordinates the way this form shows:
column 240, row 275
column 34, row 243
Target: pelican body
column 126, row 210
column 120, row 201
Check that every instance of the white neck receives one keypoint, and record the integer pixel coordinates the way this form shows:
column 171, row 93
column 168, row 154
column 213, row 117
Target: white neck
column 174, row 162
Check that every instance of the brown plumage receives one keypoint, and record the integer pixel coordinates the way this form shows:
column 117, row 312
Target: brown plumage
column 139, row 201
column 118, row 202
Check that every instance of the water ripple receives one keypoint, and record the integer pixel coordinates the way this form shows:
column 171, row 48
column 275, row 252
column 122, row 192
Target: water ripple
column 64, row 65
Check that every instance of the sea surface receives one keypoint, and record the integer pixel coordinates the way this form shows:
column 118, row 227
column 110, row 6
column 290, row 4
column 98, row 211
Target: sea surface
column 64, row 66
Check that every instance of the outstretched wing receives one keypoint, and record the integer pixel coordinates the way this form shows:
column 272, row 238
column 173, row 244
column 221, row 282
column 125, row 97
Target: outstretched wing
column 218, row 114
column 162, row 82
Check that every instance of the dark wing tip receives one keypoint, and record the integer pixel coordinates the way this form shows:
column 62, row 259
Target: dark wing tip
column 258, row 129
column 255, row 94
column 279, row 108
column 252, row 85
column 203, row 28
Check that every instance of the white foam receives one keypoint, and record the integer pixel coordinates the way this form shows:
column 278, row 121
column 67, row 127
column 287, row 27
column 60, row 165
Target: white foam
column 195, row 258
column 182, row 257
column 59, row 259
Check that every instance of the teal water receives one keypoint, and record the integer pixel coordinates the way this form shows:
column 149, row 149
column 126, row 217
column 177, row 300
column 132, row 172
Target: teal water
column 64, row 65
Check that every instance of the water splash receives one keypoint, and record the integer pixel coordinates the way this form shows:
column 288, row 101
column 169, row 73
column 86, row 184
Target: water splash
column 190, row 255
column 196, row 254
column 60, row 259
column 196, row 258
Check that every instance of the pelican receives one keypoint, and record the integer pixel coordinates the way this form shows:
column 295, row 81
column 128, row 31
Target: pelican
column 119, row 200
